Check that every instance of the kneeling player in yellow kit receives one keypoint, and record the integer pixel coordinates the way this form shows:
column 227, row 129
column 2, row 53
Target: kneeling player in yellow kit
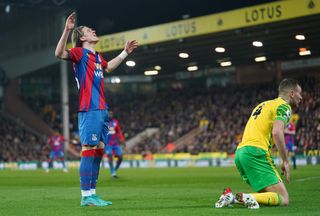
column 253, row 160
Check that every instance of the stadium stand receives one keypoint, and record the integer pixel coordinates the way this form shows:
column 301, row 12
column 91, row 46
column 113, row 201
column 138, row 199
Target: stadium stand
column 220, row 114
column 19, row 144
column 225, row 108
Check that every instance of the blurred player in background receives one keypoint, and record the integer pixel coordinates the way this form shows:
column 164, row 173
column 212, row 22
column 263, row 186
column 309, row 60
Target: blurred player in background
column 89, row 66
column 56, row 141
column 290, row 133
column 253, row 159
column 113, row 148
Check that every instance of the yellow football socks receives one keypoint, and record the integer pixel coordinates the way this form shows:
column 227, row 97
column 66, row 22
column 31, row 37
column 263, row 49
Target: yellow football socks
column 267, row 198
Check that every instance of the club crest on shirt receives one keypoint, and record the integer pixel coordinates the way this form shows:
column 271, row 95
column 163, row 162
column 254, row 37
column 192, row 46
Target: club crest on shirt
column 111, row 130
column 98, row 66
column 94, row 137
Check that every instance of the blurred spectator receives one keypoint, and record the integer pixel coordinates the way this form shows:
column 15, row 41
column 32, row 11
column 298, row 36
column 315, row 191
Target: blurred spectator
column 17, row 144
column 220, row 113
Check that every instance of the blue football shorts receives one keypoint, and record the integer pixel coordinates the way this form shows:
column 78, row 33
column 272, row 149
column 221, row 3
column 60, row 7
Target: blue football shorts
column 56, row 154
column 290, row 147
column 93, row 127
column 115, row 150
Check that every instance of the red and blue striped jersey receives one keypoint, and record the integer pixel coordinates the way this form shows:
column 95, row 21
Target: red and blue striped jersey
column 114, row 133
column 89, row 67
column 289, row 138
column 56, row 142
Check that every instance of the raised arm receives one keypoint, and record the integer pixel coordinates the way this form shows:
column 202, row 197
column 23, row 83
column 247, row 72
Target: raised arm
column 278, row 138
column 129, row 47
column 61, row 51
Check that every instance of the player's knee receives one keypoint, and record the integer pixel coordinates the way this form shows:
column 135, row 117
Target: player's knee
column 100, row 145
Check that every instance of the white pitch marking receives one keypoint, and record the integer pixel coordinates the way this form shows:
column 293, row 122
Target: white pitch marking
column 306, row 179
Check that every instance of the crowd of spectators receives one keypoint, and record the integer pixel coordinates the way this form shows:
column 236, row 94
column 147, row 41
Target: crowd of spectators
column 49, row 110
column 223, row 112
column 220, row 113
column 308, row 133
column 226, row 126
column 18, row 144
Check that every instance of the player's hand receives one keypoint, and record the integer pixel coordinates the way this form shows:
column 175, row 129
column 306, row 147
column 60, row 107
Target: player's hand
column 130, row 46
column 74, row 141
column 71, row 21
column 286, row 170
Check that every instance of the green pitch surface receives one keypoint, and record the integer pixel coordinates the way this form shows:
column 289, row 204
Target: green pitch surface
column 172, row 191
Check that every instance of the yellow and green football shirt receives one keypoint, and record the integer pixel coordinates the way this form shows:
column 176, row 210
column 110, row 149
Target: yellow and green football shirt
column 258, row 131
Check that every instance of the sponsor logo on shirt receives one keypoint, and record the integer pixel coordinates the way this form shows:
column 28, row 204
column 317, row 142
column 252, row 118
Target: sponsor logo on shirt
column 98, row 74
column 98, row 70
column 288, row 114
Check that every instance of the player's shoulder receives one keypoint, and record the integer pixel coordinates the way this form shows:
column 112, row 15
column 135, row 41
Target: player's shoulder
column 282, row 104
column 116, row 121
column 76, row 54
column 76, row 49
column 278, row 103
column 262, row 104
column 291, row 126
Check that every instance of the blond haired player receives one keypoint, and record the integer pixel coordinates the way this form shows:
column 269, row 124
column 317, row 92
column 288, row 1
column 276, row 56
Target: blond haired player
column 89, row 66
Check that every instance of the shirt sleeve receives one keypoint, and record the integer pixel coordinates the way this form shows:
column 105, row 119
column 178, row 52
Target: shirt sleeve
column 76, row 54
column 62, row 138
column 119, row 132
column 104, row 63
column 283, row 113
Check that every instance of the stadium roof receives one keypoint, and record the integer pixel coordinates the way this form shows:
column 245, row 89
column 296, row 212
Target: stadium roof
column 293, row 37
column 115, row 16
column 278, row 37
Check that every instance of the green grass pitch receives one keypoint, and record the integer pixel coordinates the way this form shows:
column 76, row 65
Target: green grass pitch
column 164, row 191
